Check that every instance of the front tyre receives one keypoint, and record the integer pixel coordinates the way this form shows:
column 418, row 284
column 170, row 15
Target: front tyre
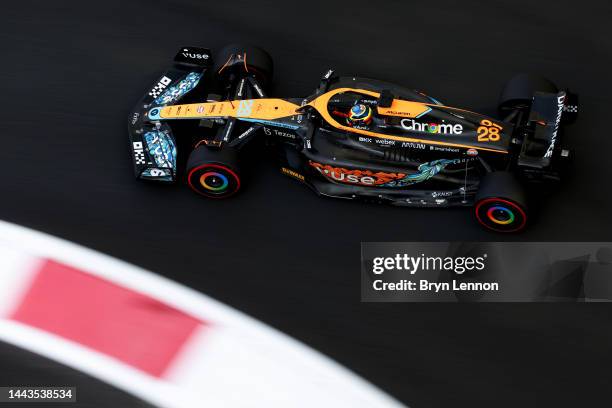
column 245, row 58
column 213, row 173
column 500, row 203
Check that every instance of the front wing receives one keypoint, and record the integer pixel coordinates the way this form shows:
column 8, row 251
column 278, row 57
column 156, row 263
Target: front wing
column 152, row 144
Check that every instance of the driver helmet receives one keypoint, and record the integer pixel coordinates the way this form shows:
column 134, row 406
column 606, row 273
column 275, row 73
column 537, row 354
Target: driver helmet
column 360, row 114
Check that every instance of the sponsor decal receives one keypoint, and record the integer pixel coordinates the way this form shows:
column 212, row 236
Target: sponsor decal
column 414, row 145
column 441, row 194
column 194, row 55
column 551, row 147
column 271, row 123
column 397, row 113
column 444, row 128
column 570, row 108
column 292, row 173
column 424, row 172
column 351, row 176
column 472, row 152
column 386, row 142
column 269, row 132
column 135, row 117
column 160, row 86
column 176, row 92
column 443, row 149
column 228, row 130
column 139, row 156
column 161, row 148
column 241, row 87
column 154, row 114
column 247, row 132
column 155, row 173
column 258, row 90
column 245, row 108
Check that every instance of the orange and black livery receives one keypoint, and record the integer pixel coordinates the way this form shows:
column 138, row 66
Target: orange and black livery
column 352, row 138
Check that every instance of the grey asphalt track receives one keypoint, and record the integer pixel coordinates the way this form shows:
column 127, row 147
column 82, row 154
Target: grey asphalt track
column 72, row 70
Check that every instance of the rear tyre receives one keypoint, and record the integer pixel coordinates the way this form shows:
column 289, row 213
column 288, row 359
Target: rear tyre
column 501, row 204
column 247, row 58
column 213, row 173
column 518, row 91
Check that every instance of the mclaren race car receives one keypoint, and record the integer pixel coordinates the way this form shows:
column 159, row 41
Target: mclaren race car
column 353, row 138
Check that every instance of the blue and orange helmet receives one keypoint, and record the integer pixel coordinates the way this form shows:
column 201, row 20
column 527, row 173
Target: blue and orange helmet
column 360, row 114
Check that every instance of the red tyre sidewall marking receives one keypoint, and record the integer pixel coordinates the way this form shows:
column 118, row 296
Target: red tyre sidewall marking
column 501, row 200
column 216, row 166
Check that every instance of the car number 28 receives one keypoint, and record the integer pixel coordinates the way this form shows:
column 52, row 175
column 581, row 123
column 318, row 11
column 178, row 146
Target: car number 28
column 488, row 131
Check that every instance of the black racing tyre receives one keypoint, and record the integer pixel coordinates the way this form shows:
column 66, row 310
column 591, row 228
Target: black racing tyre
column 213, row 173
column 518, row 91
column 501, row 203
column 254, row 58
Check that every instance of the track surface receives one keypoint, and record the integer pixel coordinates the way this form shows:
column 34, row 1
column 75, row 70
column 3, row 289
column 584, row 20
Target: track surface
column 72, row 71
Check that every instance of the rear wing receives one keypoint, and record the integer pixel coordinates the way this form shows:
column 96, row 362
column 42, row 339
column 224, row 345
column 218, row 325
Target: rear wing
column 542, row 145
column 152, row 144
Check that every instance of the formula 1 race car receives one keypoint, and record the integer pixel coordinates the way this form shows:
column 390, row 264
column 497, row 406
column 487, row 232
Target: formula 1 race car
column 353, row 138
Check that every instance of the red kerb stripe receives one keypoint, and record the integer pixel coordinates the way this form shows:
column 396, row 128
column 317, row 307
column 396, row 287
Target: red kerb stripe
column 129, row 326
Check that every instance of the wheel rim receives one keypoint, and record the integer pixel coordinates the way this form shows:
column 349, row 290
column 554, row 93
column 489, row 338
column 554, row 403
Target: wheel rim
column 213, row 180
column 500, row 214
